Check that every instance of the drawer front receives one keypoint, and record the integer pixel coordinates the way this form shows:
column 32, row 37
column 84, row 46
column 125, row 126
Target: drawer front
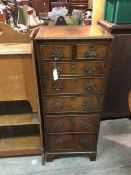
column 90, row 103
column 74, row 68
column 71, row 142
column 56, row 52
column 92, row 51
column 88, row 123
column 73, row 85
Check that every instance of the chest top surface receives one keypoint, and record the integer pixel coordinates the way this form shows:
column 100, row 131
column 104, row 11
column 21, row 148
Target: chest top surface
column 72, row 32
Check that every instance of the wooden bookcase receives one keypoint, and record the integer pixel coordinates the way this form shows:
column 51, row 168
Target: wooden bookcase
column 19, row 107
column 76, row 4
column 41, row 6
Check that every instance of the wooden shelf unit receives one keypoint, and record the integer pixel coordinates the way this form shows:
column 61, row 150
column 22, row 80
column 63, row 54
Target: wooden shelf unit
column 76, row 4
column 19, row 128
column 28, row 145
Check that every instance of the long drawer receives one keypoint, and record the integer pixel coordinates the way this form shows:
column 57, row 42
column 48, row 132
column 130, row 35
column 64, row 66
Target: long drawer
column 90, row 103
column 72, row 85
column 70, row 123
column 71, row 142
column 73, row 68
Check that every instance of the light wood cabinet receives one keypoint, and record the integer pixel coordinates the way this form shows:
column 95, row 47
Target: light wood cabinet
column 19, row 107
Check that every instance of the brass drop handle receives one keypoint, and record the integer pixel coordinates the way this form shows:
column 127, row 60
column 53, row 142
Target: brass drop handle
column 59, row 141
column 90, row 69
column 88, row 86
column 57, row 53
column 88, row 104
column 85, row 125
column 57, row 86
column 84, row 142
column 59, row 69
column 59, row 126
column 58, row 106
column 90, row 54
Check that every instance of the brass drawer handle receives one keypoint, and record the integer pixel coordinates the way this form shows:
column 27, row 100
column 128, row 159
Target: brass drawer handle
column 57, row 53
column 88, row 86
column 85, row 125
column 90, row 69
column 57, row 86
column 58, row 106
column 59, row 141
column 59, row 69
column 91, row 54
column 59, row 126
column 84, row 142
column 88, row 104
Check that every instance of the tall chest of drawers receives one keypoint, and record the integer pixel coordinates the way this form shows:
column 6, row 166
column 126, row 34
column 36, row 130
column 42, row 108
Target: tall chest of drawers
column 71, row 67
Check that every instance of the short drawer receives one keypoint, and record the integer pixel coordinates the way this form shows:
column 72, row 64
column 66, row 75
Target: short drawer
column 73, row 68
column 90, row 103
column 92, row 51
column 56, row 52
column 70, row 123
column 74, row 85
column 71, row 142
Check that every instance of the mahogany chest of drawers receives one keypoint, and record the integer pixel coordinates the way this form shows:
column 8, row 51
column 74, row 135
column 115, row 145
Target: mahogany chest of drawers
column 71, row 105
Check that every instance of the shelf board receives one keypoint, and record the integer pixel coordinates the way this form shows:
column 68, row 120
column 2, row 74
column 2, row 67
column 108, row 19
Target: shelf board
column 15, row 48
column 25, row 145
column 19, row 119
column 115, row 28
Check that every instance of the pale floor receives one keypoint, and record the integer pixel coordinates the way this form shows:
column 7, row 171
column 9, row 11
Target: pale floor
column 113, row 158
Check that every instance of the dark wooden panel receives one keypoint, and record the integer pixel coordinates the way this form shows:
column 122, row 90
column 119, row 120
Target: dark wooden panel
column 18, row 131
column 119, row 78
column 15, row 107
column 115, row 28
